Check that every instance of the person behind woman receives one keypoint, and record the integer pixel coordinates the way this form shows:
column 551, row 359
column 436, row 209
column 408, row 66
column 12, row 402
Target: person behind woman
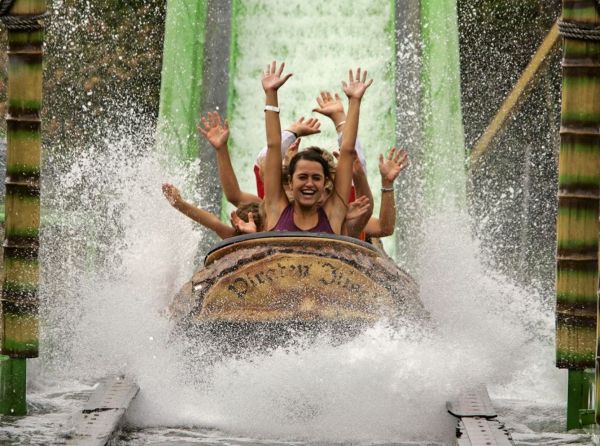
column 216, row 133
column 247, row 218
column 390, row 168
column 308, row 171
column 289, row 142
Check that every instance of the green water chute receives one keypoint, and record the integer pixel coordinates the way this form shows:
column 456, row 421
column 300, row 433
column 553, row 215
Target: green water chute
column 443, row 134
column 183, row 85
column 181, row 78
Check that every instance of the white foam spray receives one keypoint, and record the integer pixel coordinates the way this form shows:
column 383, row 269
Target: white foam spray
column 384, row 385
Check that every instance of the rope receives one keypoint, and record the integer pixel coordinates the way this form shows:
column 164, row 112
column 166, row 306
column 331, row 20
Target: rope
column 579, row 31
column 24, row 22
column 6, row 4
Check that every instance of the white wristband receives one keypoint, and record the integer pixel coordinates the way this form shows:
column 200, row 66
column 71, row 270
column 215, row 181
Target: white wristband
column 272, row 108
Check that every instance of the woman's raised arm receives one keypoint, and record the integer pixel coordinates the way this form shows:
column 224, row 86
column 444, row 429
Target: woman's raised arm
column 216, row 133
column 197, row 214
column 354, row 89
column 275, row 198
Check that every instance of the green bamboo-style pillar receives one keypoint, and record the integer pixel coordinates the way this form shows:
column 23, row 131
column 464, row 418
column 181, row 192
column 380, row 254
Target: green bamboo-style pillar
column 19, row 301
column 579, row 192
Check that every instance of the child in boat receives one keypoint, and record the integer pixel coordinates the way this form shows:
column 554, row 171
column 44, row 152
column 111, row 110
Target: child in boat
column 308, row 171
column 247, row 218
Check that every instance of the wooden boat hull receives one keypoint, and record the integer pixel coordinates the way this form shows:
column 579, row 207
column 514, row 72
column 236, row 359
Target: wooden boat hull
column 294, row 280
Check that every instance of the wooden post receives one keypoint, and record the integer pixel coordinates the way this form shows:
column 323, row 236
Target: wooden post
column 516, row 96
column 579, row 191
column 19, row 302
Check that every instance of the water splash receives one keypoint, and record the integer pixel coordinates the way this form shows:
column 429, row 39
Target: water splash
column 114, row 253
column 105, row 316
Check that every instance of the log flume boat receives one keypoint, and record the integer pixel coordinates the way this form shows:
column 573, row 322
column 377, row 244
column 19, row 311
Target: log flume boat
column 260, row 289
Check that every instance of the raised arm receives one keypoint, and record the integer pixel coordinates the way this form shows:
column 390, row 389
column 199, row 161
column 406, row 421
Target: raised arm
column 361, row 184
column 275, row 198
column 389, row 168
column 337, row 207
column 294, row 131
column 331, row 106
column 216, row 133
column 201, row 216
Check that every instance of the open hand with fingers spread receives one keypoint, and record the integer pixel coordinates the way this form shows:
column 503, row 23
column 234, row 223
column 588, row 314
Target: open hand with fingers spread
column 273, row 78
column 391, row 166
column 242, row 226
column 330, row 106
column 304, row 128
column 357, row 209
column 216, row 132
column 357, row 84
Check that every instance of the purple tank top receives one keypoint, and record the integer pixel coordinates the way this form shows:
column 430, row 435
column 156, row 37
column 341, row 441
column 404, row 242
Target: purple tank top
column 286, row 222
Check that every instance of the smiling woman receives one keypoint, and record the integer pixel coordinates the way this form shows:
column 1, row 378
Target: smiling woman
column 308, row 174
column 313, row 209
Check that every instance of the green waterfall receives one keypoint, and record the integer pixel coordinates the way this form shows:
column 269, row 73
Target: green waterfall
column 319, row 42
column 443, row 135
column 181, row 77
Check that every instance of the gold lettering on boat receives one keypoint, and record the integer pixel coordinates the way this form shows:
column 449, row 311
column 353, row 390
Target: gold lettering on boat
column 297, row 284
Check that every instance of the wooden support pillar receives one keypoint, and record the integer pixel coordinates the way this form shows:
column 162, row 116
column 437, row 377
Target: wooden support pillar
column 19, row 301
column 578, row 195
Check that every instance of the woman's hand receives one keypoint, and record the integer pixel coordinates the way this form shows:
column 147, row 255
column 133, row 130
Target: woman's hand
column 271, row 77
column 390, row 167
column 357, row 167
column 171, row 193
column 243, row 227
column 329, row 105
column 357, row 209
column 304, row 128
column 356, row 87
column 291, row 151
column 216, row 132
